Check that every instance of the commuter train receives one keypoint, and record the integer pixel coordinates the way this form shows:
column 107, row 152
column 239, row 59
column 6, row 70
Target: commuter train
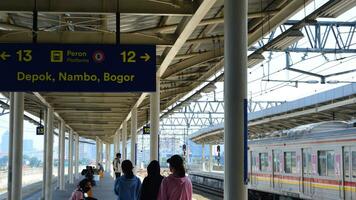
column 315, row 161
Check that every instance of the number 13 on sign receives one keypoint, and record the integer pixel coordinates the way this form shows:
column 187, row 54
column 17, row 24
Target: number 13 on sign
column 24, row 55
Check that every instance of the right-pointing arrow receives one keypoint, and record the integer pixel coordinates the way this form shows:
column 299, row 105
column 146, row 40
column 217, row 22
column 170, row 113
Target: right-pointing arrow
column 146, row 57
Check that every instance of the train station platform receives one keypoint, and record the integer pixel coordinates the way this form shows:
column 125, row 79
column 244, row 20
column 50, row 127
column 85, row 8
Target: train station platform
column 104, row 189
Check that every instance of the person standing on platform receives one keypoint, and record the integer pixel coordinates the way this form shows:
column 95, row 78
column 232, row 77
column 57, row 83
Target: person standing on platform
column 127, row 187
column 116, row 163
column 177, row 186
column 151, row 184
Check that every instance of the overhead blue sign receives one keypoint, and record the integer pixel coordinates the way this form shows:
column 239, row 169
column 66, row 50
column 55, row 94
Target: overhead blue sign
column 77, row 68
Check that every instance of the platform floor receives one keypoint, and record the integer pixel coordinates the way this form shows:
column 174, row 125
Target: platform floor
column 104, row 189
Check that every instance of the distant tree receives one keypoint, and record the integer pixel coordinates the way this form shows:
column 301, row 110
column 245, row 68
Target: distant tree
column 34, row 162
column 4, row 160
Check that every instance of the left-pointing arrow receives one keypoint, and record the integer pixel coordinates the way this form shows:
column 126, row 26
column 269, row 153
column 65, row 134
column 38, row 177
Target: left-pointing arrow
column 4, row 55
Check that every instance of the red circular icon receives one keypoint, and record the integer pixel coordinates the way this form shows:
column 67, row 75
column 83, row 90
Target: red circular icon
column 98, row 56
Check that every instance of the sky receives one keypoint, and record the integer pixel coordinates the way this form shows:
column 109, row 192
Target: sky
column 259, row 90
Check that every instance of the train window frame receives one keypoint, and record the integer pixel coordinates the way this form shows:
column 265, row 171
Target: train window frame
column 263, row 168
column 293, row 170
column 326, row 171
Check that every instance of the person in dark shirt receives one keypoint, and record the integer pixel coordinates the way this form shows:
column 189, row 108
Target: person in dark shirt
column 152, row 182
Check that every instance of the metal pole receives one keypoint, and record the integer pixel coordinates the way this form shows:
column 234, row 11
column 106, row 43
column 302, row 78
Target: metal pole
column 124, row 140
column 11, row 135
column 16, row 186
column 154, row 118
column 44, row 157
column 61, row 158
column 70, row 157
column 203, row 156
column 76, row 157
column 210, row 157
column 49, row 155
column 235, row 96
column 133, row 135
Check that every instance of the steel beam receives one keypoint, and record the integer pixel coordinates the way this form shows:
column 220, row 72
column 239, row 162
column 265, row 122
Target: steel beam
column 85, row 37
column 137, row 7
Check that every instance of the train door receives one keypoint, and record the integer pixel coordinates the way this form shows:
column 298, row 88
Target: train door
column 350, row 173
column 254, row 168
column 353, row 171
column 270, row 169
column 307, row 171
column 276, row 169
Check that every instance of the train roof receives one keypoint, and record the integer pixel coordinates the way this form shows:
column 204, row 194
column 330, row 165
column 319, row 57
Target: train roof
column 315, row 131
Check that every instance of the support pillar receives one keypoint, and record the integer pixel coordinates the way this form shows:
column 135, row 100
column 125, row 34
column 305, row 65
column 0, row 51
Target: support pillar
column 133, row 135
column 124, row 140
column 11, row 135
column 70, row 157
column 49, row 154
column 44, row 156
column 203, row 156
column 107, row 157
column 101, row 152
column 76, row 157
column 235, row 96
column 119, row 142
column 17, row 144
column 154, row 121
column 97, row 152
column 61, row 155
column 115, row 143
column 210, row 157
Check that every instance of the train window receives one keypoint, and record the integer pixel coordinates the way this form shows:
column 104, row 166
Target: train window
column 326, row 163
column 276, row 161
column 347, row 163
column 354, row 164
column 290, row 164
column 307, row 161
column 264, row 162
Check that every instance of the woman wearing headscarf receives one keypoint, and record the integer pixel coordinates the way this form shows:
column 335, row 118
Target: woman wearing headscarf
column 152, row 182
column 177, row 186
column 127, row 187
column 83, row 191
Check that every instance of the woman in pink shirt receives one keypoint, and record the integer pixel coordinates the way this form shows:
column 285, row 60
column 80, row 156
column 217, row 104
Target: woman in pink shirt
column 176, row 186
